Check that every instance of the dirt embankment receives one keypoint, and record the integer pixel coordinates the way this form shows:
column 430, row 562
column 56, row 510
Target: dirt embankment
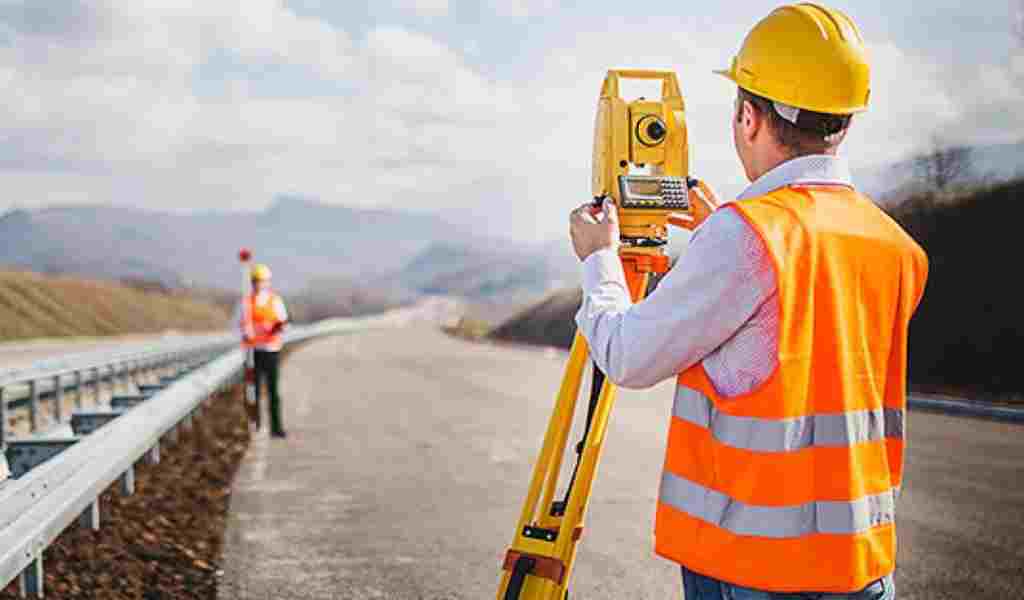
column 163, row 542
column 34, row 306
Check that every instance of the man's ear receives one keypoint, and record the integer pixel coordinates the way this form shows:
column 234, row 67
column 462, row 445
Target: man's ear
column 751, row 121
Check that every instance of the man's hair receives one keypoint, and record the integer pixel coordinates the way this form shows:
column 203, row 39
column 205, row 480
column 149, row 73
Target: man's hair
column 812, row 133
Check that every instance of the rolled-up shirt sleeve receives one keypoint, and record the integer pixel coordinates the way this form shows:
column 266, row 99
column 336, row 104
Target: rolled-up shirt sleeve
column 700, row 304
column 279, row 309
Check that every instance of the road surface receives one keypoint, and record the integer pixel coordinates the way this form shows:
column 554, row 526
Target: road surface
column 409, row 454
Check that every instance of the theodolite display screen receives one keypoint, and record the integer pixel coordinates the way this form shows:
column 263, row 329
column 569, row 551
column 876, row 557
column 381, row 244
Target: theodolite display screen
column 645, row 187
column 655, row 192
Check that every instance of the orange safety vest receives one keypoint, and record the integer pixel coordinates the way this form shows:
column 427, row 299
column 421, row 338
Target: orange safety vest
column 259, row 322
column 792, row 486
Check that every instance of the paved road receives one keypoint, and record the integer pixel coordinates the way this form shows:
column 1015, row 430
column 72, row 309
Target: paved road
column 409, row 454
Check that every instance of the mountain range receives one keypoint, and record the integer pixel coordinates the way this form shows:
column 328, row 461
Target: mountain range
column 304, row 242
column 399, row 254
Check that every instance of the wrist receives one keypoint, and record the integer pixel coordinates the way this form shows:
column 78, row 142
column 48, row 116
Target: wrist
column 612, row 247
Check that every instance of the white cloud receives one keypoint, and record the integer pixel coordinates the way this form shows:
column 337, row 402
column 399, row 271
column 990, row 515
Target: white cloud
column 425, row 8
column 105, row 106
column 522, row 8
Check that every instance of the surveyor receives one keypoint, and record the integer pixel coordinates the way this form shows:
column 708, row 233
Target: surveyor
column 785, row 324
column 261, row 319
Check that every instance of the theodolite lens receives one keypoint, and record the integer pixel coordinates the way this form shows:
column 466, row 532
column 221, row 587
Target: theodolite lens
column 656, row 130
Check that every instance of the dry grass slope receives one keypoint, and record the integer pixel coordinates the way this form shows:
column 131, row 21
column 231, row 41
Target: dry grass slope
column 34, row 306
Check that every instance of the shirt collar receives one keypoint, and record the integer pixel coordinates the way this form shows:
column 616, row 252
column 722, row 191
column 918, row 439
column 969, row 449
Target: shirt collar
column 815, row 169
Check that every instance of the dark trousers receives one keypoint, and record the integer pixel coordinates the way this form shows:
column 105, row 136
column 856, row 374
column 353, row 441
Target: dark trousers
column 267, row 368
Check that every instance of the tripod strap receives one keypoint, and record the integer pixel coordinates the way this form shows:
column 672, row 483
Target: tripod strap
column 596, row 383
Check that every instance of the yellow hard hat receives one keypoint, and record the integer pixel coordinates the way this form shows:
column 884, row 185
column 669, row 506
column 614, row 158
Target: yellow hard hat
column 807, row 56
column 260, row 272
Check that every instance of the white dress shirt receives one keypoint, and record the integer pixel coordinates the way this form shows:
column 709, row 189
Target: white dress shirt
column 718, row 304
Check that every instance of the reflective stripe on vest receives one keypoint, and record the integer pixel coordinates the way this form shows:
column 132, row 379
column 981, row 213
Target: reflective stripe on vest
column 787, row 435
column 792, row 486
column 820, row 516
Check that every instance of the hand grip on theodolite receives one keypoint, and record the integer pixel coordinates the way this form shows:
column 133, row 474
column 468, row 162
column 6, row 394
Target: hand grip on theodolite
column 697, row 212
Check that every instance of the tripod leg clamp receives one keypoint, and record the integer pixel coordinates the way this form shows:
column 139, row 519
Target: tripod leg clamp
column 532, row 564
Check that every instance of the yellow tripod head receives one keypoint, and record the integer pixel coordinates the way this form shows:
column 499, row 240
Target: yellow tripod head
column 642, row 135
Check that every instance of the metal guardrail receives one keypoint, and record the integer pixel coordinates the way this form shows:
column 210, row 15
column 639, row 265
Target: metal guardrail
column 29, row 387
column 952, row 406
column 36, row 507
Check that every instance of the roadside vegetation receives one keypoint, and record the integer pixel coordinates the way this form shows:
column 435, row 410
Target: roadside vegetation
column 967, row 334
column 39, row 306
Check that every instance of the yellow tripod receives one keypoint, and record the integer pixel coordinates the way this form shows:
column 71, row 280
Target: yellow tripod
column 637, row 134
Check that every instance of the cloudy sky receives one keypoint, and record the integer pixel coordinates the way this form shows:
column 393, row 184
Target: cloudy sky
column 482, row 110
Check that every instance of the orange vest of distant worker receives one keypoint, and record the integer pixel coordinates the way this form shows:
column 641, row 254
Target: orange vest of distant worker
column 261, row 321
column 792, row 486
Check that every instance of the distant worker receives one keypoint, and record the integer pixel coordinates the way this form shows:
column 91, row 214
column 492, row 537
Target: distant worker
column 785, row 324
column 261, row 319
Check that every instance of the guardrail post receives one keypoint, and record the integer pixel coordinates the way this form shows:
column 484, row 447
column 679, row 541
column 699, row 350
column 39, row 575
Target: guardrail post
column 3, row 422
column 58, row 390
column 33, row 405
column 30, row 581
column 79, row 390
column 97, row 386
column 91, row 516
column 117, row 369
column 128, row 481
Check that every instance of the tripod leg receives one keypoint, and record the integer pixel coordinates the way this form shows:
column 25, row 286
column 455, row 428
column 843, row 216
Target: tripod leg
column 550, row 537
column 545, row 472
column 544, row 481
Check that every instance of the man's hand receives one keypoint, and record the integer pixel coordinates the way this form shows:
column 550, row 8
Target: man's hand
column 594, row 228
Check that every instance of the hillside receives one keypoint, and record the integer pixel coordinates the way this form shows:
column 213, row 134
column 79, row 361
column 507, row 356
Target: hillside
column 969, row 329
column 33, row 305
column 892, row 183
column 549, row 322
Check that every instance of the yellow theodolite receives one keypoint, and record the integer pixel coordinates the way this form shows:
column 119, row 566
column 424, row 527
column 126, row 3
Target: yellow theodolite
column 641, row 161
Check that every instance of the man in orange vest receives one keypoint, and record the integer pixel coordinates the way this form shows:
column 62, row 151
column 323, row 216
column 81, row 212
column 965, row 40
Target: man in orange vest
column 785, row 325
column 261, row 319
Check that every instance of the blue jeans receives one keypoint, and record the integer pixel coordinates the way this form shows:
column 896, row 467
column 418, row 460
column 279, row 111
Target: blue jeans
column 699, row 587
